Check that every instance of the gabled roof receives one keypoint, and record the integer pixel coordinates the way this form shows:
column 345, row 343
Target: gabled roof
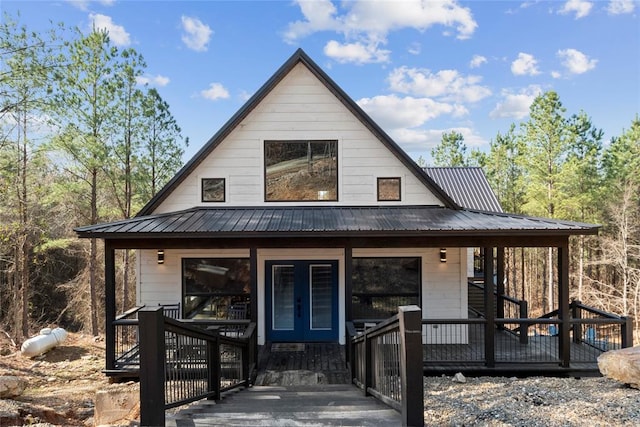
column 327, row 222
column 467, row 186
column 298, row 57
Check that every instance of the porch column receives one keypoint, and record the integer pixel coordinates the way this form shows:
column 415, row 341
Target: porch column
column 564, row 312
column 109, row 304
column 253, row 269
column 500, row 282
column 348, row 285
column 489, row 310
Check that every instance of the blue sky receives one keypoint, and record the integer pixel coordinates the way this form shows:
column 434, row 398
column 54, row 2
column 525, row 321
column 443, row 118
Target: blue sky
column 419, row 68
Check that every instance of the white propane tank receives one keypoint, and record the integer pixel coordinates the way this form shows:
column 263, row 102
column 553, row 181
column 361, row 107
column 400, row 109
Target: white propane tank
column 48, row 339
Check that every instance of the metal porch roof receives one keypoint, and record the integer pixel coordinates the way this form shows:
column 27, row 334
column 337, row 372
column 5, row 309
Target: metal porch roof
column 362, row 221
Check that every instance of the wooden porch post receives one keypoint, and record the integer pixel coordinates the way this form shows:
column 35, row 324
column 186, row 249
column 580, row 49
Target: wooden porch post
column 564, row 311
column 489, row 310
column 253, row 268
column 152, row 366
column 348, row 285
column 410, row 319
column 500, row 282
column 109, row 304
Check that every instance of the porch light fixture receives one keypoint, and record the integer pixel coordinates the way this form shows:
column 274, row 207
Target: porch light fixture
column 160, row 256
column 443, row 254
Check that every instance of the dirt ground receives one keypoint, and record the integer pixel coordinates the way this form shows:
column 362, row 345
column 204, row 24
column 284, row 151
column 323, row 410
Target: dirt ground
column 61, row 383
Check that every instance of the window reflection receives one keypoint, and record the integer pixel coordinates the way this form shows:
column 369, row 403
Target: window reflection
column 301, row 170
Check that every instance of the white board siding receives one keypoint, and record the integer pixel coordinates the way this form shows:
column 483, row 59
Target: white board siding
column 444, row 294
column 162, row 283
column 299, row 108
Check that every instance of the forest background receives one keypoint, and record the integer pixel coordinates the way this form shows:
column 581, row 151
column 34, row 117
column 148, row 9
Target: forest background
column 81, row 142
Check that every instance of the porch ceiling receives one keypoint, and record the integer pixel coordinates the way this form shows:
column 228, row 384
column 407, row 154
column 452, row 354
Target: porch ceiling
column 326, row 221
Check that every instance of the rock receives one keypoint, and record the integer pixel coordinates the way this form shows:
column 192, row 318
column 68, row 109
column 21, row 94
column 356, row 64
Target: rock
column 459, row 378
column 117, row 405
column 11, row 386
column 621, row 365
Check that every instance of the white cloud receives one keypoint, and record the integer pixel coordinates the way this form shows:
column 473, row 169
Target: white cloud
column 216, row 91
column 477, row 61
column 117, row 33
column 581, row 8
column 393, row 112
column 196, row 34
column 415, row 48
column 556, row 74
column 515, row 105
column 84, row 4
column 620, row 7
column 355, row 52
column 575, row 61
column 158, row 80
column 526, row 64
column 367, row 23
column 420, row 141
column 449, row 85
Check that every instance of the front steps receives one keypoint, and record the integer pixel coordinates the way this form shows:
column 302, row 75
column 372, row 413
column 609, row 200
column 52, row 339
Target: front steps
column 275, row 406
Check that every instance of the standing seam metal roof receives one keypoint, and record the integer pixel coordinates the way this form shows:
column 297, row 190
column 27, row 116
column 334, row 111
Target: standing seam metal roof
column 360, row 220
column 467, row 186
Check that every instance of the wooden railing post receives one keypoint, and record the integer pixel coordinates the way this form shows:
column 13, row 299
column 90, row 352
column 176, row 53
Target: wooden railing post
column 626, row 330
column 576, row 314
column 411, row 377
column 368, row 363
column 152, row 366
column 213, row 378
column 524, row 327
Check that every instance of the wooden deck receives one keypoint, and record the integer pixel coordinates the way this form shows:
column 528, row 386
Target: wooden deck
column 323, row 361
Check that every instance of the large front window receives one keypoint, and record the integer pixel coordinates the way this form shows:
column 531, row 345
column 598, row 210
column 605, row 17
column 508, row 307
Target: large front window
column 380, row 285
column 301, row 170
column 216, row 288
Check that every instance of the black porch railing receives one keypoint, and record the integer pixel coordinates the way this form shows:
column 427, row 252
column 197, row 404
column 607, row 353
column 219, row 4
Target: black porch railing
column 386, row 362
column 516, row 341
column 181, row 363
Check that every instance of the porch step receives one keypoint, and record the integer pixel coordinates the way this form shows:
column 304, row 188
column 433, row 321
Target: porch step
column 320, row 405
column 302, row 364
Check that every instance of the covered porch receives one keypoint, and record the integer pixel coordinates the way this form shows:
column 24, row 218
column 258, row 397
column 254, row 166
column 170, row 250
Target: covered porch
column 490, row 334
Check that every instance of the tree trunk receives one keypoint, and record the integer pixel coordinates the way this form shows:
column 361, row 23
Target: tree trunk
column 93, row 254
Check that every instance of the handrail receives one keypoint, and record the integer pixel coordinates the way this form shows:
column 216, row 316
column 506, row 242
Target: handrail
column 593, row 310
column 495, row 292
column 180, row 362
column 386, row 362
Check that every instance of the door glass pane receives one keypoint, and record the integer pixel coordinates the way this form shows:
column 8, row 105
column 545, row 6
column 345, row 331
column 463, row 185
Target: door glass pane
column 320, row 287
column 283, row 300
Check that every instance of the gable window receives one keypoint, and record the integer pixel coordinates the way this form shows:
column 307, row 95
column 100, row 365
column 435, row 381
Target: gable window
column 380, row 285
column 216, row 288
column 213, row 189
column 301, row 170
column 389, row 189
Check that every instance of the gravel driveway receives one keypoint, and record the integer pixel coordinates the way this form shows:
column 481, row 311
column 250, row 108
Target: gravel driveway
column 535, row 401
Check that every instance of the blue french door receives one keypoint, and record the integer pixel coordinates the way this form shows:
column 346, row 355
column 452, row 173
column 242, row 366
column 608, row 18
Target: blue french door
column 301, row 301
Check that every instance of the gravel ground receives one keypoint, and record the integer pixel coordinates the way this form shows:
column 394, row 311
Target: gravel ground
column 535, row 401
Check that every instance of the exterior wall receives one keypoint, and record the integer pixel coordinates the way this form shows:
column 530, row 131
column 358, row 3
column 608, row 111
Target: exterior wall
column 299, row 108
column 444, row 294
column 162, row 283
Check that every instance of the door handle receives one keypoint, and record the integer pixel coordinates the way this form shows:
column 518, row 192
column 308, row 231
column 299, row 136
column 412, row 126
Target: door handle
column 299, row 306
